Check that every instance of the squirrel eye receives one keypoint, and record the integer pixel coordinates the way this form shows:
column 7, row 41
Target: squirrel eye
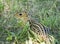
column 20, row 14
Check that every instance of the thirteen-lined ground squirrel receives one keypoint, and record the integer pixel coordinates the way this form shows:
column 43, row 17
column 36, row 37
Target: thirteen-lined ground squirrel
column 38, row 28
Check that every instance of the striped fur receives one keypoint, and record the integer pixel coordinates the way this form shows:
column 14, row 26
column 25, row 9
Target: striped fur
column 39, row 29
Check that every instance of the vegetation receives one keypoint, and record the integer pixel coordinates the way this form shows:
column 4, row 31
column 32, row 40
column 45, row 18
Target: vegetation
column 46, row 12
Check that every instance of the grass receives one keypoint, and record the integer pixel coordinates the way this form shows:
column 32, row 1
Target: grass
column 45, row 11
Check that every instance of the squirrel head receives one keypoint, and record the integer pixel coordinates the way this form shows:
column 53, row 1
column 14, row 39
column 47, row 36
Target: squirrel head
column 23, row 16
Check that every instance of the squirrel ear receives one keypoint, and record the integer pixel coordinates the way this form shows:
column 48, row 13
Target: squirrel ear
column 25, row 12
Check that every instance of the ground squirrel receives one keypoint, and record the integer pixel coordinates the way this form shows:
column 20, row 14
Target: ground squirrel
column 36, row 27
